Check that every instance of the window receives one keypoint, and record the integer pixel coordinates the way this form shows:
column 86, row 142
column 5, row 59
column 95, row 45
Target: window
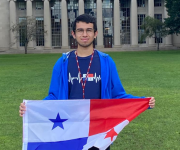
column 159, row 17
column 39, row 31
column 107, row 4
column 73, row 12
column 157, row 3
column 141, row 3
column 39, row 5
column 140, row 30
column 22, row 33
column 56, row 23
column 107, row 12
column 125, row 22
column 90, row 7
column 21, row 19
column 22, row 5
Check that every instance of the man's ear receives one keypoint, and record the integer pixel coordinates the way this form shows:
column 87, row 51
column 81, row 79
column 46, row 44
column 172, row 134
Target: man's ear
column 73, row 34
column 95, row 34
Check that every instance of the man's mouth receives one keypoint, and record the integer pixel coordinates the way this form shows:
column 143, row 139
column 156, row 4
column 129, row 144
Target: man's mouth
column 84, row 40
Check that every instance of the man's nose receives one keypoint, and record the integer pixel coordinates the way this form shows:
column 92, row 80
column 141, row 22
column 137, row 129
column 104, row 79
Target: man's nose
column 84, row 33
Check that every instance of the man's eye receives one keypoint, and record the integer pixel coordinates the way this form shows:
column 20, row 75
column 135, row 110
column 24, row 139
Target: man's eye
column 89, row 30
column 80, row 30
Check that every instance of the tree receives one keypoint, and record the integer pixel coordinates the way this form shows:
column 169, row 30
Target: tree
column 153, row 28
column 26, row 31
column 173, row 21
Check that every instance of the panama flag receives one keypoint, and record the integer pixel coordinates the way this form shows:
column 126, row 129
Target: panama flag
column 77, row 124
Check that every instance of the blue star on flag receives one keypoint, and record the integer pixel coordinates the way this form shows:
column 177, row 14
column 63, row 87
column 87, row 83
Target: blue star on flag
column 58, row 122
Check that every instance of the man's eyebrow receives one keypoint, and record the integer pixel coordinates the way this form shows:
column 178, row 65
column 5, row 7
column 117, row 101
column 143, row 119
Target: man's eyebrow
column 83, row 28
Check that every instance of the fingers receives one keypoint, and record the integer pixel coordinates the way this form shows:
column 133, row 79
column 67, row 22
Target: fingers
column 152, row 102
column 22, row 109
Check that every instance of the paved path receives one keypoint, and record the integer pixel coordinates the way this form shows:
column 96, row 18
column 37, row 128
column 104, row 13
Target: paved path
column 123, row 48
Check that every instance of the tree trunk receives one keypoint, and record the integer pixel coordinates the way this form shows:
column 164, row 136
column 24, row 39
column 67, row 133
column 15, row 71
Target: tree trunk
column 26, row 48
column 158, row 44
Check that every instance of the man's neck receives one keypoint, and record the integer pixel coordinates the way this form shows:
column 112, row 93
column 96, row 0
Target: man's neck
column 84, row 52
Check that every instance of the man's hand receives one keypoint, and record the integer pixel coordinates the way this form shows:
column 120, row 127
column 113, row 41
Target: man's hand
column 152, row 102
column 22, row 109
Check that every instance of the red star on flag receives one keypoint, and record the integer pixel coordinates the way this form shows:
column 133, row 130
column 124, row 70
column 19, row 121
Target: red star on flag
column 111, row 134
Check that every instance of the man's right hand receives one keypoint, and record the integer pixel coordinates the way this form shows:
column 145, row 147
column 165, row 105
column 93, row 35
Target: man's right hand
column 22, row 109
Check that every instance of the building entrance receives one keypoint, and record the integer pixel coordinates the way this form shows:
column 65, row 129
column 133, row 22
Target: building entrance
column 107, row 41
column 108, row 32
column 73, row 43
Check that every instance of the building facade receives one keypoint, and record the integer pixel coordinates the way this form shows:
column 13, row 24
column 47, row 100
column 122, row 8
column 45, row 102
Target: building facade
column 118, row 22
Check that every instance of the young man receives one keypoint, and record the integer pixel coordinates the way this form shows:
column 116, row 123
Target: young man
column 85, row 73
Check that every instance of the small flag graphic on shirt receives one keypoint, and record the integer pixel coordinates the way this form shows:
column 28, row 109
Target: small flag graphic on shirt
column 77, row 124
column 89, row 78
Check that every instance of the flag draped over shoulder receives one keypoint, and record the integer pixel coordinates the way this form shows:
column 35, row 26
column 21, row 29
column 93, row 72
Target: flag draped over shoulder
column 77, row 124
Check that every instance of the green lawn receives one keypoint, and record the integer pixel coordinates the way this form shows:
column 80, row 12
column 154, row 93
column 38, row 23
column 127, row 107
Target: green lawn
column 151, row 73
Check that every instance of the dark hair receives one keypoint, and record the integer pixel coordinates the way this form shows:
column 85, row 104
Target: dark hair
column 87, row 19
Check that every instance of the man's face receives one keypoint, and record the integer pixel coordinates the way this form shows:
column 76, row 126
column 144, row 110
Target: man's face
column 84, row 34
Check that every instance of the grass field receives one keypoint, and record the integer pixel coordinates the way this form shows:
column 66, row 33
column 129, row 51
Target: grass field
column 151, row 73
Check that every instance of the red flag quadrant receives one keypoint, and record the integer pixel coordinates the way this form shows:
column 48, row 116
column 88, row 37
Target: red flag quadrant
column 106, row 114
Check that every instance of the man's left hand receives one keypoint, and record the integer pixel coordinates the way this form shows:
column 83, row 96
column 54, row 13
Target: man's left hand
column 152, row 102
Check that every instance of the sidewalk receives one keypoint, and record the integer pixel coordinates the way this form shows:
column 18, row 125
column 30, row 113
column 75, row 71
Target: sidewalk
column 123, row 48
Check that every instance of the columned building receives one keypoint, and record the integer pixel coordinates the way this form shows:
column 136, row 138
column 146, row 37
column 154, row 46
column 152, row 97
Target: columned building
column 118, row 21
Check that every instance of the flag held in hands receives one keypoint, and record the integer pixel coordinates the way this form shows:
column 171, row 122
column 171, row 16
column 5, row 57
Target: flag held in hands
column 77, row 124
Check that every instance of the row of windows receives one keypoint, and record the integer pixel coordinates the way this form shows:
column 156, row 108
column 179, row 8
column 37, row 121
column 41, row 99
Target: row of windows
column 39, row 32
column 56, row 32
column 22, row 5
column 141, row 3
column 90, row 8
column 106, row 4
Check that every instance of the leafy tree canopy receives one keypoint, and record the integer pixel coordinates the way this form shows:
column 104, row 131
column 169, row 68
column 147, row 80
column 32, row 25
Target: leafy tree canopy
column 153, row 28
column 173, row 21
